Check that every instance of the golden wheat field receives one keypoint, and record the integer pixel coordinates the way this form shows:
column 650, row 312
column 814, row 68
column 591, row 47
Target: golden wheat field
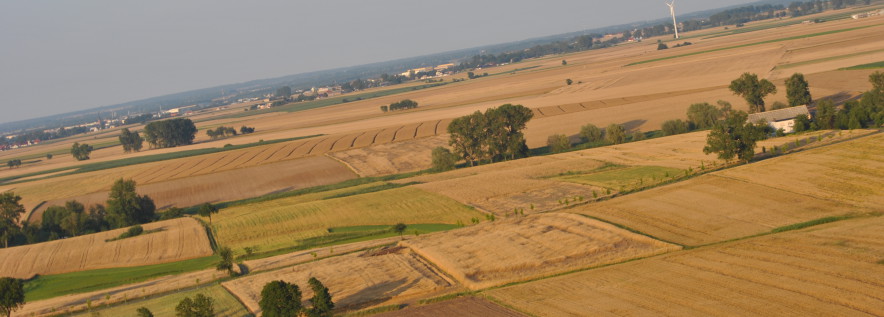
column 831, row 270
column 225, row 305
column 355, row 281
column 286, row 222
column 533, row 246
column 177, row 240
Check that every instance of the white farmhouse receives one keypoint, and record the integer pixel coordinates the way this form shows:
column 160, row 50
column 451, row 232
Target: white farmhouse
column 780, row 118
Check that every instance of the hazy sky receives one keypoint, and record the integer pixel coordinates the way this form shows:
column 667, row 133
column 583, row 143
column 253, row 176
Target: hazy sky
column 61, row 56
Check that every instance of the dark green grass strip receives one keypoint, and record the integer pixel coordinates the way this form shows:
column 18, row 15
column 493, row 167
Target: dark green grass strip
column 832, row 58
column 139, row 160
column 48, row 286
column 371, row 189
column 866, row 66
column 811, row 223
column 754, row 44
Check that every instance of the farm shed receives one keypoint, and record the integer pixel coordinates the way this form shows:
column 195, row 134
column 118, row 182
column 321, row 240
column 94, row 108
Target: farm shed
column 781, row 118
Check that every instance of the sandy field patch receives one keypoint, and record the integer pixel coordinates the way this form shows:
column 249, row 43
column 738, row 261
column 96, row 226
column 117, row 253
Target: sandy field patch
column 826, row 270
column 179, row 239
column 533, row 246
column 393, row 158
column 463, row 306
column 355, row 281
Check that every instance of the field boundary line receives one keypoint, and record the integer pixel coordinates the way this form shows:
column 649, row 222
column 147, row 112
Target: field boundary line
column 350, row 167
column 433, row 266
column 238, row 299
column 500, row 303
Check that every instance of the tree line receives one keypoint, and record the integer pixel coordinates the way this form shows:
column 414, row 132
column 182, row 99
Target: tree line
column 170, row 133
column 491, row 136
column 124, row 207
column 400, row 105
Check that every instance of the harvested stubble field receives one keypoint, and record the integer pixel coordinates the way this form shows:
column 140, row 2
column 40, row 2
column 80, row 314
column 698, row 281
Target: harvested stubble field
column 395, row 158
column 355, row 281
column 534, row 246
column 830, row 270
column 221, row 186
column 225, row 304
column 178, row 239
column 850, row 172
column 462, row 306
column 628, row 177
column 287, row 222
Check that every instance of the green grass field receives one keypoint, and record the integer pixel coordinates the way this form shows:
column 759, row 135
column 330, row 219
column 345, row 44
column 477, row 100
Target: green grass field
column 225, row 304
column 299, row 222
column 866, row 66
column 625, row 177
column 754, row 44
column 43, row 287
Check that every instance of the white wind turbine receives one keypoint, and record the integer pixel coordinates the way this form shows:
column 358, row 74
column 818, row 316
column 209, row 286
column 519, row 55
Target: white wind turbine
column 671, row 5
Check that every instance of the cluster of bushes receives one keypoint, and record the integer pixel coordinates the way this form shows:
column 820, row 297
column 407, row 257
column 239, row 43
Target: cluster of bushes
column 221, row 132
column 593, row 135
column 401, row 105
column 131, row 141
column 81, row 152
column 13, row 163
column 170, row 133
column 281, row 298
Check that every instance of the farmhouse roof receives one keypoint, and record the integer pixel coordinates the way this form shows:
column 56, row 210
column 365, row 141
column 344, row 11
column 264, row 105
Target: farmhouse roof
column 779, row 114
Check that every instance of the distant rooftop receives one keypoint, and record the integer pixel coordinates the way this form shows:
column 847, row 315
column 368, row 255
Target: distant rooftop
column 779, row 114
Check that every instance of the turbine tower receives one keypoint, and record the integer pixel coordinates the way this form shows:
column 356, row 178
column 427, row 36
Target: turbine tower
column 671, row 5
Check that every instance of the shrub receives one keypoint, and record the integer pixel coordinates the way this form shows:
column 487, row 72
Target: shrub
column 591, row 133
column 673, row 127
column 558, row 143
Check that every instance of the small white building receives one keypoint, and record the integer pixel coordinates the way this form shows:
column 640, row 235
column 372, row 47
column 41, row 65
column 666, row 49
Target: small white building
column 780, row 118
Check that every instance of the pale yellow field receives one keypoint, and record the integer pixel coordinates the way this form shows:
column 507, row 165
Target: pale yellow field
column 180, row 239
column 225, row 305
column 463, row 306
column 355, row 281
column 520, row 249
column 284, row 222
column 394, row 158
column 829, row 270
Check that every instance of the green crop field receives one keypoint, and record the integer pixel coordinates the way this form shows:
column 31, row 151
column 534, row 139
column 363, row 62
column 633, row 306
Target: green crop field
column 224, row 304
column 298, row 222
column 866, row 66
column 628, row 177
column 43, row 287
column 832, row 58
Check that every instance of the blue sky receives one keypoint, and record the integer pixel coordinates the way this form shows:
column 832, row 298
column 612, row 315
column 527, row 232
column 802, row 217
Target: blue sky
column 61, row 56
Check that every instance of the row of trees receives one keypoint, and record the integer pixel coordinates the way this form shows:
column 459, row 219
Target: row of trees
column 491, row 136
column 13, row 163
column 221, row 132
column 400, row 105
column 283, row 299
column 131, row 141
column 753, row 90
column 124, row 207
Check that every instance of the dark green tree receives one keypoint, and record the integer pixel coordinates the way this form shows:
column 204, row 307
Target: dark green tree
column 467, row 136
column 569, row 81
column 206, row 210
column 143, row 312
column 733, row 137
column 170, row 133
column 280, row 299
column 590, row 133
column 564, row 62
column 615, row 134
column 703, row 115
column 753, row 90
column 226, row 263
column 399, row 228
column 322, row 300
column 797, row 90
column 81, row 152
column 131, row 141
column 200, row 306
column 125, row 207
column 12, row 295
column 11, row 210
column 802, row 123
column 48, row 156
column 877, row 80
column 558, row 143
column 443, row 159
column 825, row 114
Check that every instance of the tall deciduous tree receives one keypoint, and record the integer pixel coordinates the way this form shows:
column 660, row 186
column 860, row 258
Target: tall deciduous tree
column 226, row 263
column 170, row 133
column 703, row 115
column 797, row 90
column 443, row 159
column 590, row 133
column 12, row 295
column 322, row 300
column 753, row 90
column 206, row 210
column 733, row 137
column 466, row 137
column 11, row 210
column 615, row 133
column 125, row 207
column 558, row 143
column 131, row 141
column 825, row 114
column 81, row 151
column 280, row 299
column 877, row 80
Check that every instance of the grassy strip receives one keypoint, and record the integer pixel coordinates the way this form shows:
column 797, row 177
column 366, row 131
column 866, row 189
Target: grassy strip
column 371, row 189
column 754, row 44
column 811, row 223
column 832, row 58
column 865, row 66
column 49, row 286
column 346, row 235
column 310, row 190
column 376, row 310
column 140, row 160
